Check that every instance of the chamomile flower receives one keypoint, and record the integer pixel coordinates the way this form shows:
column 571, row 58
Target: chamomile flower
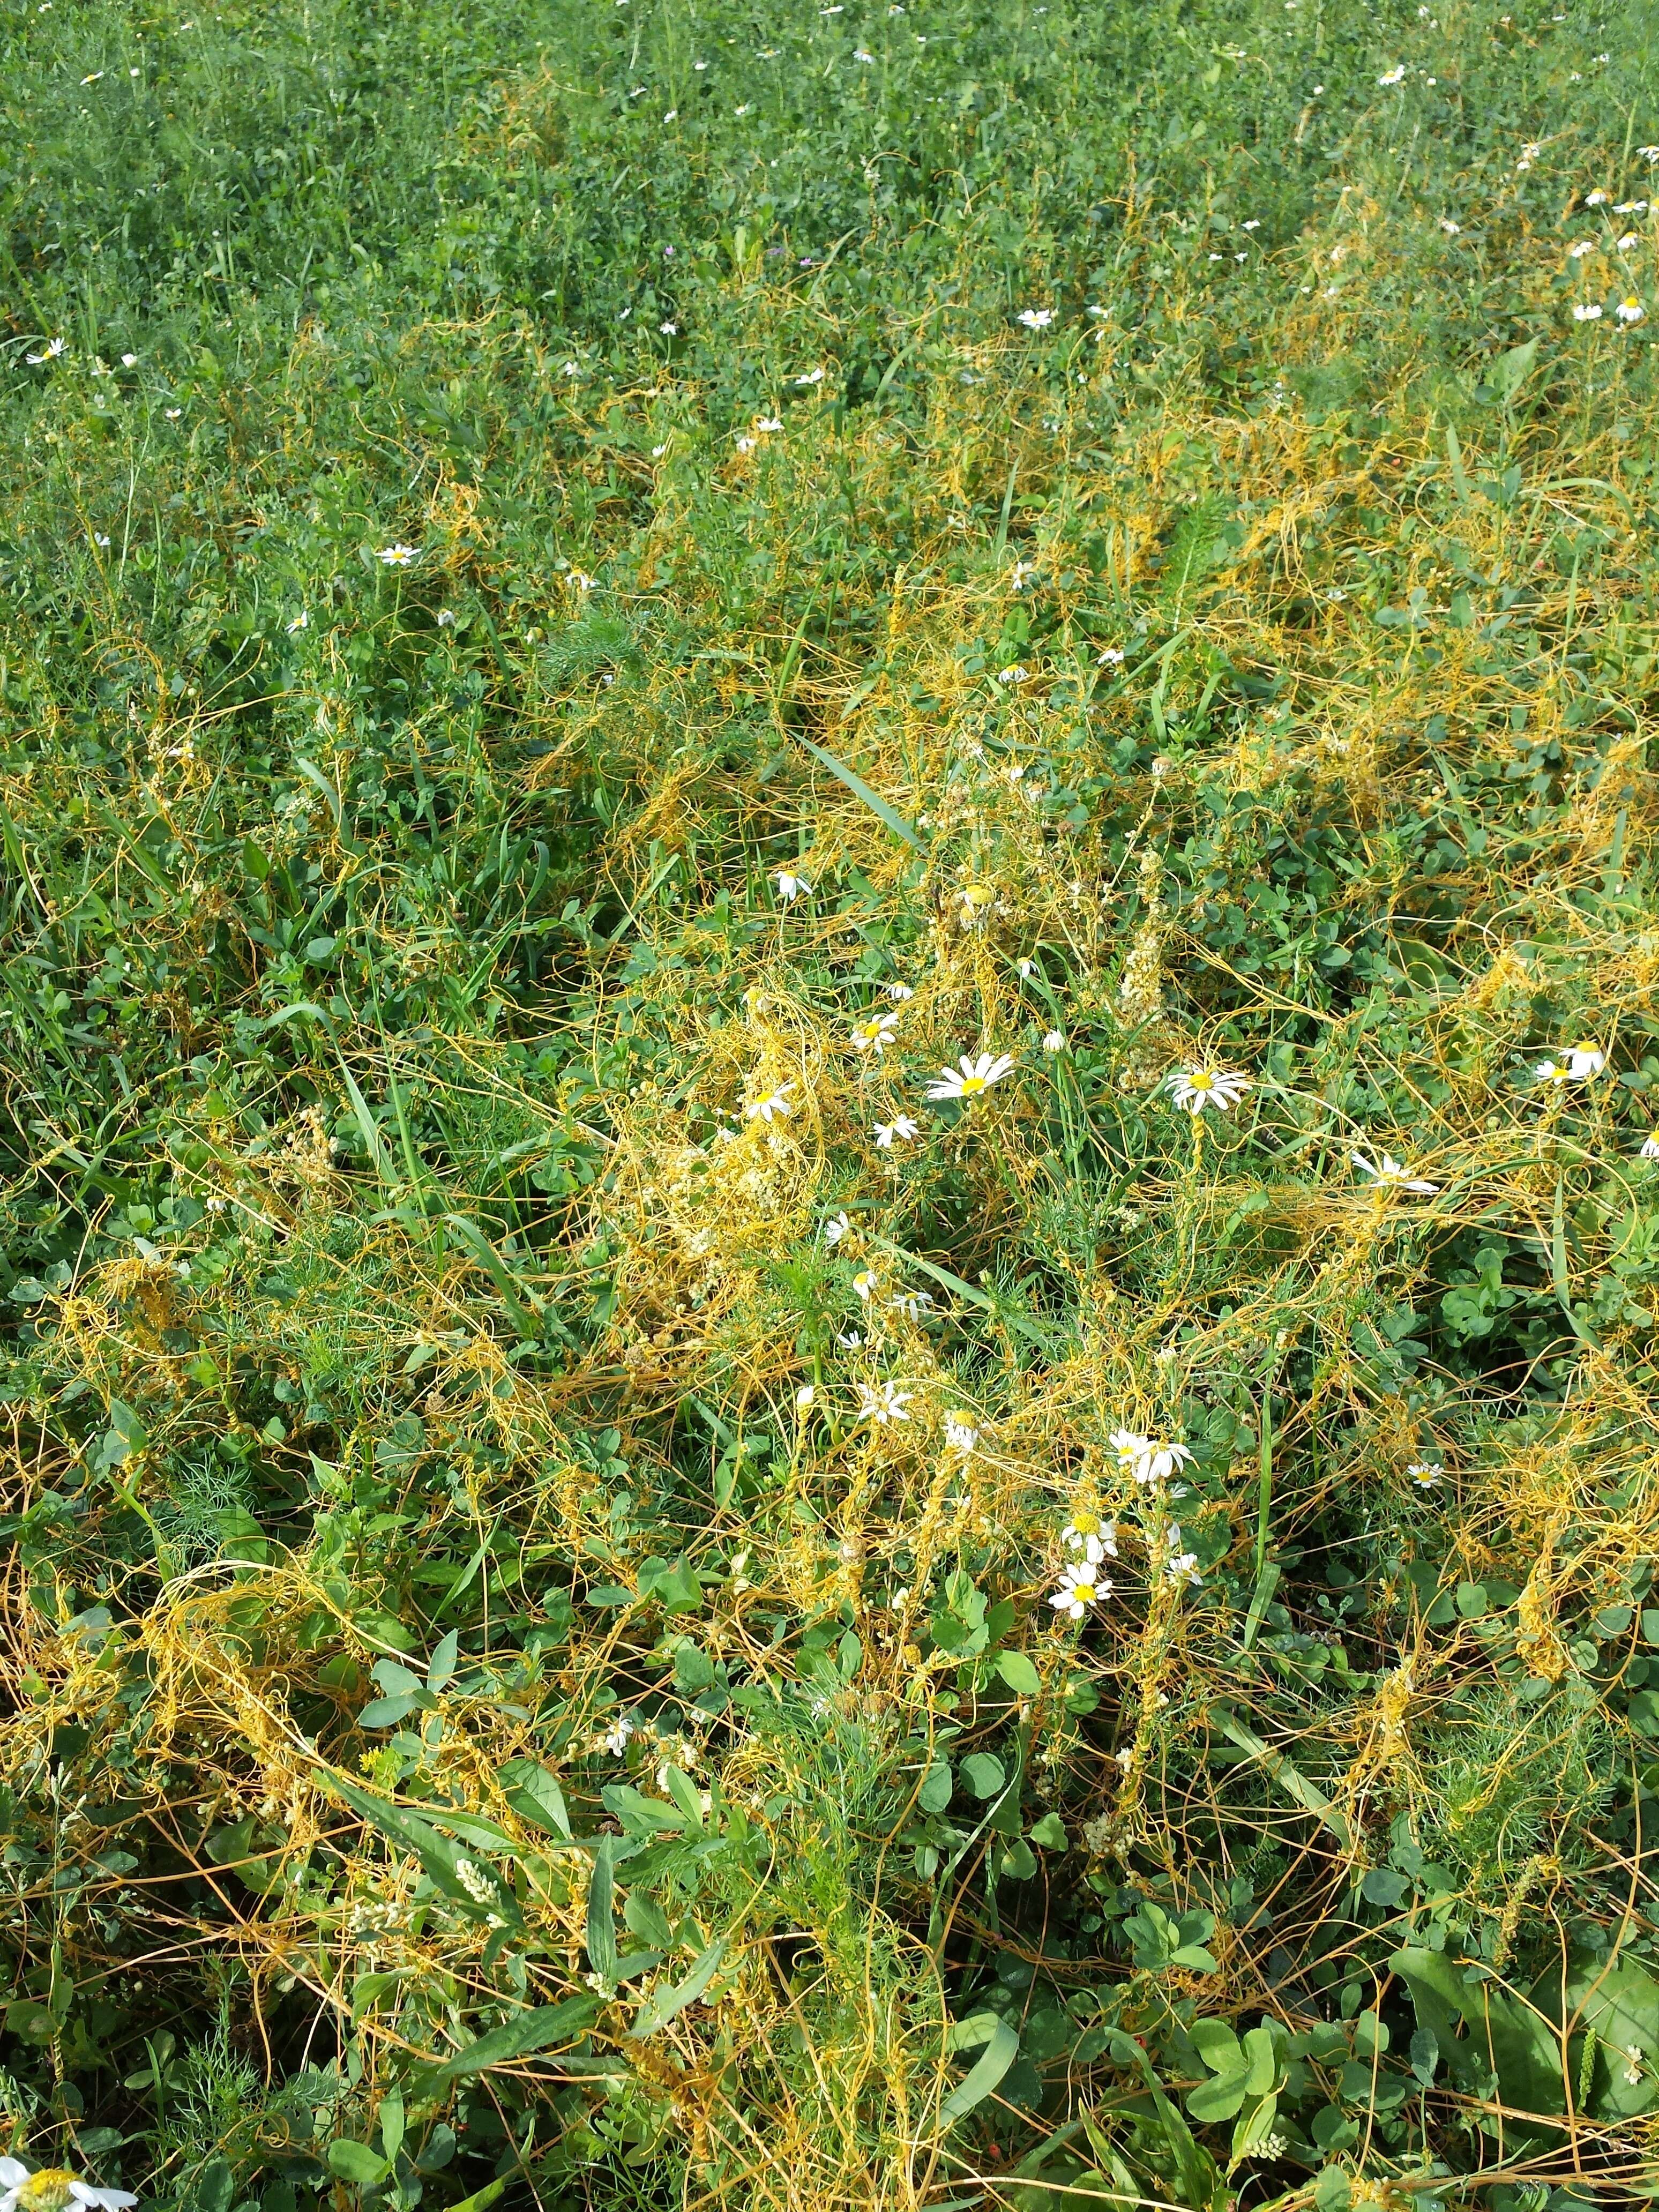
column 835, row 1228
column 1055, row 1041
column 901, row 1130
column 1036, row 318
column 912, row 1303
column 977, row 900
column 1195, row 1088
column 883, row 1402
column 1389, row 1170
column 960, row 1434
column 1629, row 240
column 1426, row 1473
column 1394, row 75
column 876, row 1034
column 301, row 621
column 54, row 2189
column 1013, row 673
column 898, row 993
column 1597, row 198
column 791, row 886
column 1095, row 1539
column 1580, row 248
column 1589, row 312
column 1158, row 1460
column 50, row 351
column 399, row 556
column 1585, row 1059
column 765, row 424
column 813, row 376
column 1131, row 1447
column 1629, row 311
column 864, row 1285
column 972, row 1078
column 773, row 1107
column 1081, row 1585
column 1181, row 1567
column 1649, row 1146
column 1553, row 1072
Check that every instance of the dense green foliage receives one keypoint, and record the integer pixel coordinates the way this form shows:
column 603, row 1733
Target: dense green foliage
column 589, row 594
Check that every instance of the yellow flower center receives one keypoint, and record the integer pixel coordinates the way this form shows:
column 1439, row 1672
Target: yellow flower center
column 1204, row 1080
column 1085, row 1523
column 46, row 2192
column 972, row 1085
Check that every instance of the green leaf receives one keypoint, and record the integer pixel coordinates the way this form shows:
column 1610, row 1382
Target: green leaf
column 1001, row 2048
column 439, row 1856
column 356, row 2163
column 1506, row 2037
column 516, row 2038
column 535, row 1795
column 1049, row 1833
column 984, row 1774
column 601, row 1912
column 1018, row 1673
column 934, row 1793
column 860, row 789
column 661, row 2007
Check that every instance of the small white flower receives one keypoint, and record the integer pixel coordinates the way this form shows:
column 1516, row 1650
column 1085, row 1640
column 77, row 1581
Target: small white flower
column 862, row 54
column 1552, row 1071
column 668, row 329
column 301, row 621
column 1036, row 318
column 1055, row 1042
column 1649, row 1146
column 899, row 1131
column 972, row 1078
column 1013, row 673
column 804, row 1398
column 813, row 376
column 1111, row 657
column 1587, row 314
column 773, row 1107
column 445, row 618
column 864, row 1284
column 1451, row 229
column 835, row 1228
column 1584, row 1060
column 1629, row 311
column 52, row 347
column 767, row 424
column 912, row 1303
column 1426, row 1473
column 792, row 886
column 1597, row 198
column 1181, row 1567
column 173, row 413
column 1396, row 76
column 1158, row 1460
column 1631, row 206
column 745, row 445
column 1389, row 1170
column 883, row 1403
column 1627, row 241
column 876, row 1034
column 1194, row 1088
column 129, row 360
column 615, row 1736
column 898, row 993
column 1021, row 575
column 1632, row 2068
column 960, row 1434
column 99, row 537
column 745, row 109
column 657, row 452
column 1580, row 248
column 54, row 2189
column 570, row 369
column 399, row 556
column 1081, row 1585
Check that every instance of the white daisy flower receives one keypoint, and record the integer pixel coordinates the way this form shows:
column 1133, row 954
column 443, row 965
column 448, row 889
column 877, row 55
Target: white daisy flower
column 1389, row 1170
column 1181, row 1567
column 1580, row 248
column 849, row 1339
column 1584, row 1060
column 1552, row 1071
column 972, row 1078
column 1036, row 318
column 1158, row 1460
column 1055, row 1041
column 1111, row 657
column 1396, row 76
column 864, row 1284
column 1097, row 1539
column 1194, row 1088
column 767, row 424
column 899, row 1131
column 53, row 2188
column 49, row 352
column 1014, row 674
column 1426, row 1473
column 912, row 1303
column 876, row 1034
column 399, row 556
column 1588, row 314
column 668, row 329
column 835, row 1228
column 1629, row 311
column 960, row 1434
column 773, row 1107
column 792, row 886
column 1129, row 1444
column 1627, row 241
column 862, row 54
column 898, row 993
column 1597, row 198
column 882, row 1403
column 813, row 376
column 977, row 900
column 1649, row 1146
column 301, row 621
column 1452, row 230
column 1081, row 1585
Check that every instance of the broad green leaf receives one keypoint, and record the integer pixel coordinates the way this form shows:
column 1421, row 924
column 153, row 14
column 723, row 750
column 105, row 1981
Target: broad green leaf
column 661, row 2006
column 1018, row 1673
column 1001, row 2048
column 516, row 2038
column 601, row 1912
column 535, row 1795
